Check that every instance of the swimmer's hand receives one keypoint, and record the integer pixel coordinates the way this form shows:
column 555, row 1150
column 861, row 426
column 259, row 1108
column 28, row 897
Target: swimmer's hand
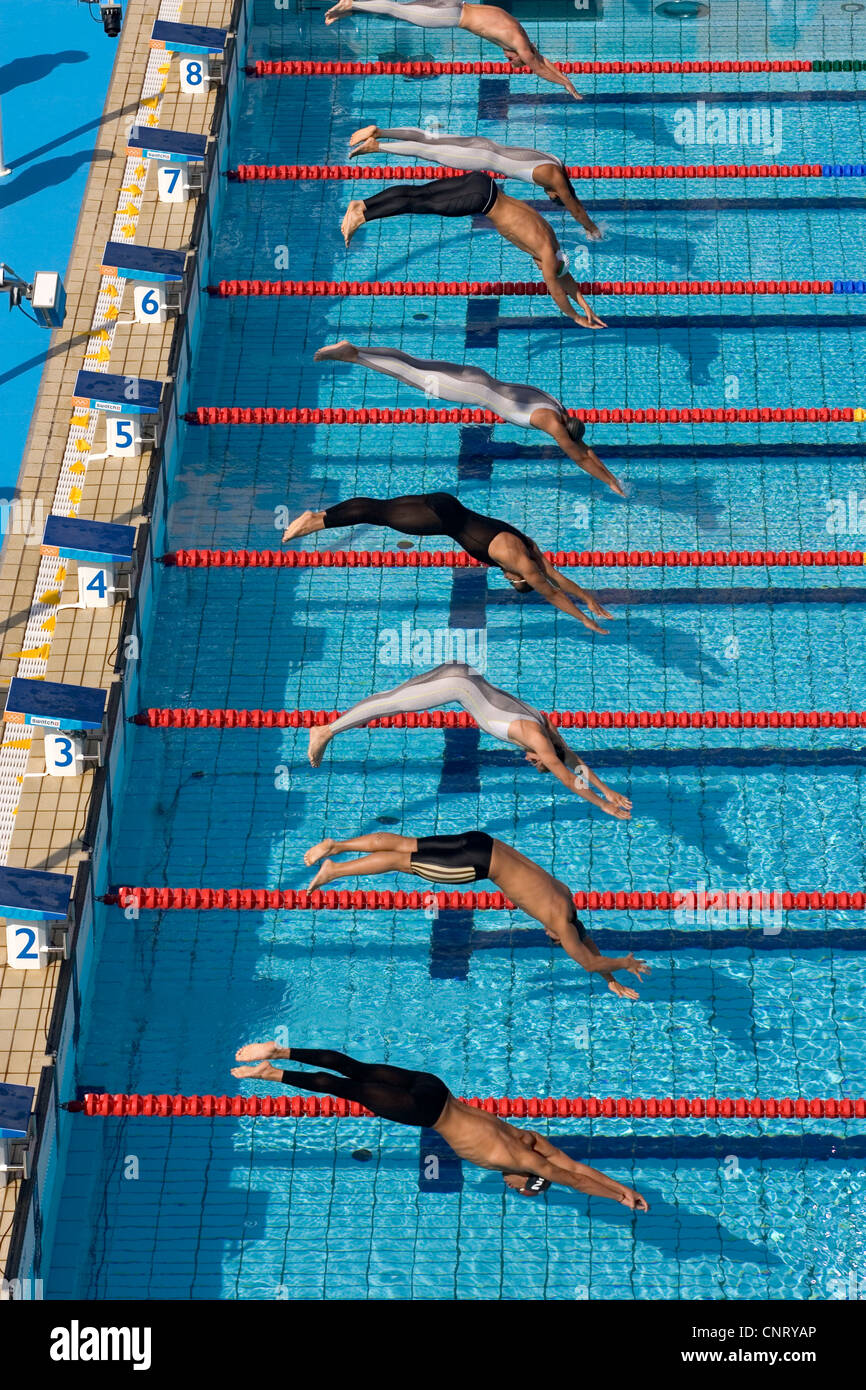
column 622, row 991
column 633, row 1199
column 593, row 626
column 590, row 320
column 618, row 805
column 635, row 967
column 593, row 233
column 597, row 609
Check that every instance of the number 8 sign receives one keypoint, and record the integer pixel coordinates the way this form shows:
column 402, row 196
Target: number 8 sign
column 194, row 73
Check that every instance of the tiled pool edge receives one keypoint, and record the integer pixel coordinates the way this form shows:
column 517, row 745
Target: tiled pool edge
column 35, row 1204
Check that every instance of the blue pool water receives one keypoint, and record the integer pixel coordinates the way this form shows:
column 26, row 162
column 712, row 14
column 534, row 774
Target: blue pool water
column 281, row 1209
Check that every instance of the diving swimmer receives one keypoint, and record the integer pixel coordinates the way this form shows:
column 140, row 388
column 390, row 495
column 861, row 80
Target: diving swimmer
column 525, row 406
column 468, row 858
column 477, row 154
column 485, row 21
column 485, row 538
column 496, row 712
column 528, row 1162
column 471, row 195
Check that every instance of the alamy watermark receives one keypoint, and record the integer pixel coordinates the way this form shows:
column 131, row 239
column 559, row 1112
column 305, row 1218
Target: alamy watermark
column 22, row 516
column 424, row 646
column 730, row 908
column 846, row 515
column 759, row 126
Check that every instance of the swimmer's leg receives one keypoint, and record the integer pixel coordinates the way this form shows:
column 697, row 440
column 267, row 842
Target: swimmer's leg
column 379, row 840
column 422, row 692
column 369, row 865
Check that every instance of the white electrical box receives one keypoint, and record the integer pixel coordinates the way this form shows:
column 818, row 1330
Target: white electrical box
column 49, row 298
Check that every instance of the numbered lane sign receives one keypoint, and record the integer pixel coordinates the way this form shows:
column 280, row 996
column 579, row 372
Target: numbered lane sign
column 96, row 585
column 122, row 439
column 194, row 73
column 64, row 755
column 27, row 945
column 172, row 182
column 149, row 303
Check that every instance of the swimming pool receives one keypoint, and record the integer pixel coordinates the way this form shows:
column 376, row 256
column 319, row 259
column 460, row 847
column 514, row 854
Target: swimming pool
column 283, row 1209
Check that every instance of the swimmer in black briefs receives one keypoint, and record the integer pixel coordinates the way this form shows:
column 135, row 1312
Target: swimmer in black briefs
column 470, row 858
column 528, row 1162
column 473, row 195
column 487, row 21
column 486, row 539
column 525, row 406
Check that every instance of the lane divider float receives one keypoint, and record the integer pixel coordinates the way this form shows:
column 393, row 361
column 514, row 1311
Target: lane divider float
column 269, row 173
column 458, row 559
column 119, row 1106
column 234, row 289
column 299, row 67
column 186, row 718
column 617, row 415
column 148, row 898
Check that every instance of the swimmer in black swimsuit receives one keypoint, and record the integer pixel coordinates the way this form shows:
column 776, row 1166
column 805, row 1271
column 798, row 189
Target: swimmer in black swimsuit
column 470, row 858
column 473, row 195
column 528, row 1162
column 486, row 539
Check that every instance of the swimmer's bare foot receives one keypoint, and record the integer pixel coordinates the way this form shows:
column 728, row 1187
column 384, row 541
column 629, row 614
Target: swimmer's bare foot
column 337, row 11
column 327, row 872
column 354, row 217
column 363, row 134
column 263, row 1072
column 370, row 146
column 256, row 1052
column 303, row 525
column 319, row 740
column 313, row 855
column 343, row 351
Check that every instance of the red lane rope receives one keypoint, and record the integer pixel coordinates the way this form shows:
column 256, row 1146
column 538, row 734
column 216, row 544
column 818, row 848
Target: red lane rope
column 458, row 559
column 184, row 718
column 247, row 173
column 674, row 415
column 229, row 289
column 388, row 900
column 520, row 1107
column 296, row 67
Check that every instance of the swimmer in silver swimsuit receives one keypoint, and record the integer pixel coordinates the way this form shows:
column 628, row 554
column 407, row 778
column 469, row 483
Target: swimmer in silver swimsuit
column 496, row 712
column 521, row 405
column 476, row 153
column 486, row 21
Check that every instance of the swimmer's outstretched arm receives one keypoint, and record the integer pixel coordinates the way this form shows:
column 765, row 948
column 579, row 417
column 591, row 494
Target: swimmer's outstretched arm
column 568, row 586
column 560, row 287
column 584, row 1178
column 565, row 193
column 614, row 803
column 550, row 423
column 537, row 580
column 587, row 955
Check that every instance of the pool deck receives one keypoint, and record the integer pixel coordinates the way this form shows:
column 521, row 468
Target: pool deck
column 50, row 816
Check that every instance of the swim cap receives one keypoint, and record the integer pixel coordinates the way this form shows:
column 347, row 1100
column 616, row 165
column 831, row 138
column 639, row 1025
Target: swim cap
column 576, row 428
column 535, row 1184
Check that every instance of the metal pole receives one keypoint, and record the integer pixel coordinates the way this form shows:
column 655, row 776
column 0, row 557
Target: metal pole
column 3, row 170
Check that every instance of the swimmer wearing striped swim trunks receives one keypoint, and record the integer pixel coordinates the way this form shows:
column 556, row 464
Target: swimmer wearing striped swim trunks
column 489, row 22
column 477, row 154
column 474, row 195
column 471, row 857
column 528, row 1162
column 526, row 406
column 495, row 711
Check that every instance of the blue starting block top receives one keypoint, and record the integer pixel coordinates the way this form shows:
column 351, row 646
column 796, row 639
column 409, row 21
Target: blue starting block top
column 51, row 705
column 32, row 895
column 95, row 542
column 187, row 38
column 176, row 145
column 122, row 395
column 130, row 262
column 16, row 1103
